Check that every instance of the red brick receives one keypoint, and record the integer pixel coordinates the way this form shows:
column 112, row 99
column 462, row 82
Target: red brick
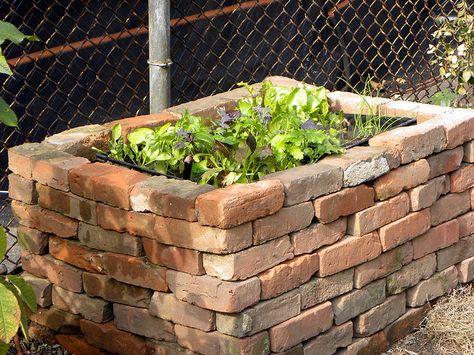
column 343, row 203
column 466, row 224
column 55, row 172
column 317, row 235
column 67, row 204
column 211, row 293
column 348, row 252
column 140, row 321
column 44, row 220
column 167, row 197
column 108, row 337
column 120, row 220
column 462, row 179
column 422, row 112
column 192, row 235
column 458, row 125
column 405, row 229
column 330, row 341
column 155, row 347
column 466, row 270
column 22, row 189
column 403, row 178
column 40, row 332
column 411, row 274
column 21, row 158
column 425, row 195
column 469, row 152
column 382, row 213
column 55, row 271
column 148, row 121
column 356, row 104
column 75, row 254
column 80, row 178
column 436, row 238
column 449, row 207
column 56, row 319
column 76, row 344
column 288, row 275
column 167, row 306
column 135, row 271
column 180, row 259
column 375, row 344
column 302, row 327
column 405, row 324
column 462, row 250
column 217, row 343
column 33, row 240
column 445, row 162
column 238, row 204
column 383, row 265
column 41, row 287
column 102, row 286
column 248, row 262
column 287, row 220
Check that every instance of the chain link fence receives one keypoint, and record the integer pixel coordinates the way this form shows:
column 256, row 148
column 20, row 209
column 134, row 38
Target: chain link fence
column 90, row 65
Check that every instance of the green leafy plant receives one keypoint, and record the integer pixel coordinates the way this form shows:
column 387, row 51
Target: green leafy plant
column 453, row 51
column 16, row 296
column 444, row 97
column 9, row 32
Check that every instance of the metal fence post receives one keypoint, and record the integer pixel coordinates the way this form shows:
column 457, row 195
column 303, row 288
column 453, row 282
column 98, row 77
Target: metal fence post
column 159, row 54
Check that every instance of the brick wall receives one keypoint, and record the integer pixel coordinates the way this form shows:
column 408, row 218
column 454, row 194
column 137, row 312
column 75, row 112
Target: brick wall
column 343, row 255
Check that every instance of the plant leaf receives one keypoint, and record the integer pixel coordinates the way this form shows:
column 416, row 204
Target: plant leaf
column 12, row 33
column 4, row 348
column 10, row 314
column 7, row 116
column 4, row 66
column 25, row 291
column 3, row 243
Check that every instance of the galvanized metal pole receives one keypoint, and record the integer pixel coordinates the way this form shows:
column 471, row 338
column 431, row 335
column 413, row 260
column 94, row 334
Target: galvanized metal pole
column 159, row 54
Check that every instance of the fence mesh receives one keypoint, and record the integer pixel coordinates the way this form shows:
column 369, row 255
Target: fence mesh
column 90, row 65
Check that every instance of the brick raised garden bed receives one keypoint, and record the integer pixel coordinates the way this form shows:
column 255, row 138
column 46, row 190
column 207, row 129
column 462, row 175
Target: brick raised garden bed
column 341, row 255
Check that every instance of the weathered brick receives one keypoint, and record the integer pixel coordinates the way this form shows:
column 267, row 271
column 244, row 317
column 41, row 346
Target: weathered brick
column 22, row 157
column 380, row 316
column 287, row 220
column 148, row 121
column 466, row 224
column 237, row 204
column 140, row 321
column 462, row 179
column 436, row 238
column 362, row 164
column 307, row 182
column 425, row 195
column 382, row 266
column 41, row 287
column 81, row 178
column 75, row 254
column 353, row 103
column 458, row 125
column 56, row 319
column 379, row 215
column 438, row 285
column 217, row 343
column 76, row 344
column 445, row 162
column 468, row 152
column 414, row 142
column 405, row 324
column 33, row 240
column 308, row 324
column 328, row 342
column 40, row 332
column 108, row 337
column 102, row 286
column 348, row 252
column 261, row 316
column 166, row 306
column 405, row 229
column 422, row 112
column 155, row 347
column 22, row 189
column 288, row 275
column 375, row 344
column 411, row 274
column 403, row 178
column 320, row 289
column 46, row 221
column 180, row 259
column 191, row 235
column 248, row 262
column 67, row 204
column 93, row 309
column 211, row 293
column 55, row 271
column 343, row 203
column 98, row 238
column 462, row 250
column 296, row 350
column 318, row 235
column 356, row 302
column 135, row 271
column 466, row 270
column 449, row 207
column 167, row 197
